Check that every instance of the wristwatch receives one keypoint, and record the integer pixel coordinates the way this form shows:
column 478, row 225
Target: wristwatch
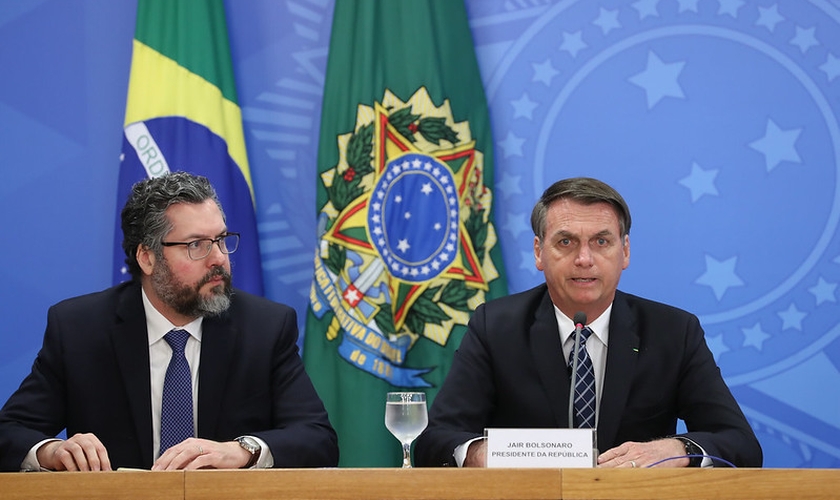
column 250, row 445
column 692, row 449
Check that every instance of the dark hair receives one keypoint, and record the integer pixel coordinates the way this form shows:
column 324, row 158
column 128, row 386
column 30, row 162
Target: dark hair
column 144, row 220
column 584, row 190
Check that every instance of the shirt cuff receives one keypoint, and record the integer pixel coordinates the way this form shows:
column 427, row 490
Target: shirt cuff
column 266, row 459
column 460, row 453
column 30, row 461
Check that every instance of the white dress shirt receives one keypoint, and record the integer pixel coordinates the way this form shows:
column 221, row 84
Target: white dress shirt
column 596, row 346
column 160, row 353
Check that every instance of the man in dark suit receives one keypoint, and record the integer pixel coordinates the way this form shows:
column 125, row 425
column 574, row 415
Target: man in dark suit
column 650, row 361
column 102, row 371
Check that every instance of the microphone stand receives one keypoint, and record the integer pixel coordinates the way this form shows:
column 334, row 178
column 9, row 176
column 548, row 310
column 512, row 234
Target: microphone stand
column 580, row 320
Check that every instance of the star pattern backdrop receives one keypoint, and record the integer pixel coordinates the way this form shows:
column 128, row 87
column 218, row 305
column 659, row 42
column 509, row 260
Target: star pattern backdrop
column 717, row 120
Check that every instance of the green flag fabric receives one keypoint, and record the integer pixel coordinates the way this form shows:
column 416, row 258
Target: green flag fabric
column 407, row 246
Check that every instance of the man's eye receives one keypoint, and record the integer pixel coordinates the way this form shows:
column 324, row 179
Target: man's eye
column 602, row 241
column 195, row 244
column 564, row 242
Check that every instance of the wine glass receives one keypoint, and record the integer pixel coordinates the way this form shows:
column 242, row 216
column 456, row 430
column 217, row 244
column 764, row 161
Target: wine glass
column 406, row 417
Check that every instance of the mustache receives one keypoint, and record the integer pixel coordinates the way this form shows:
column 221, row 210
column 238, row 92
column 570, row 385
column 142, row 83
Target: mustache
column 216, row 271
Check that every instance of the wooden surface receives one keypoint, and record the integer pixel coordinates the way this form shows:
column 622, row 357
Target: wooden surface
column 373, row 484
column 691, row 484
column 421, row 484
column 91, row 485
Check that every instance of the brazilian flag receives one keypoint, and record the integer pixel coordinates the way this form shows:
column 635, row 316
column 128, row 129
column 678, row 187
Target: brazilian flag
column 407, row 244
column 182, row 114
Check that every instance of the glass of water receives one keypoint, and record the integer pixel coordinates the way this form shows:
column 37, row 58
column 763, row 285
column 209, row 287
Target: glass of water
column 406, row 417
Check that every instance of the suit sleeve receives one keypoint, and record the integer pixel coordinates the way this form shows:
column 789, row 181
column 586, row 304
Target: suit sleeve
column 460, row 409
column 34, row 412
column 302, row 435
column 713, row 418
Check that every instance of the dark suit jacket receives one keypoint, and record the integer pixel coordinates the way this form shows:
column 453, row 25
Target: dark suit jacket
column 509, row 372
column 92, row 375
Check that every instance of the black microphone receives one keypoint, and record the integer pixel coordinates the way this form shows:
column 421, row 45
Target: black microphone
column 580, row 321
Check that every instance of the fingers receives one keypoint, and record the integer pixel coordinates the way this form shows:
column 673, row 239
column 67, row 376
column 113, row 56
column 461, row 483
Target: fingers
column 613, row 456
column 640, row 455
column 194, row 453
column 81, row 452
column 622, row 462
column 628, row 455
column 182, row 455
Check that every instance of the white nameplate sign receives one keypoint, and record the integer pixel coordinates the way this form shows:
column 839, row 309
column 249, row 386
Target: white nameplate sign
column 547, row 448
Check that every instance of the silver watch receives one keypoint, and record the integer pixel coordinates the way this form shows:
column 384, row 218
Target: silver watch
column 250, row 445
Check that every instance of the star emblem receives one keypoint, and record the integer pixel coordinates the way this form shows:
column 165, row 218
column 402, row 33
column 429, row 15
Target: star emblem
column 397, row 158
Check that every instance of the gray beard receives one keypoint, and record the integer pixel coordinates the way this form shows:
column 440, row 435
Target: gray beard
column 187, row 300
column 217, row 303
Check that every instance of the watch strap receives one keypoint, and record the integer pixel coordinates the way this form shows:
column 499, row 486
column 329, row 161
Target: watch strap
column 692, row 450
column 251, row 446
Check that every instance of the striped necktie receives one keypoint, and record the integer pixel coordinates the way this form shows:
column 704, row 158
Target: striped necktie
column 584, row 384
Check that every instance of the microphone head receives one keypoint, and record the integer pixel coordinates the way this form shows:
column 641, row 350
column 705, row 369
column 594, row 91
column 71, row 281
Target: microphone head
column 580, row 318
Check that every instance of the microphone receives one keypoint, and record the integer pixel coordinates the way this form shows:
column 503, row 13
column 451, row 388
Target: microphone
column 580, row 321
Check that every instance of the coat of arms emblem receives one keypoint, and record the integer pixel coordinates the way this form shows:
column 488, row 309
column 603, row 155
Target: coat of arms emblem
column 405, row 235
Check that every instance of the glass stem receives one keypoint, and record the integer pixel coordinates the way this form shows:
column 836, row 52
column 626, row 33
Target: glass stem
column 406, row 455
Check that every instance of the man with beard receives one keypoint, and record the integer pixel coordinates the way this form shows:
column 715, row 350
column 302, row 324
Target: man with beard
column 103, row 372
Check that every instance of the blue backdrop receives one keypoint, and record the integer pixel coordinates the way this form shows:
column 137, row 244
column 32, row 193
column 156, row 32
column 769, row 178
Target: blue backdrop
column 717, row 119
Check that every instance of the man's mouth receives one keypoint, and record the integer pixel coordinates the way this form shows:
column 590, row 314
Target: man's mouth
column 215, row 277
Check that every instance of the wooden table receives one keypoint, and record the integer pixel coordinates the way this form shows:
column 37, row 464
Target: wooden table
column 421, row 484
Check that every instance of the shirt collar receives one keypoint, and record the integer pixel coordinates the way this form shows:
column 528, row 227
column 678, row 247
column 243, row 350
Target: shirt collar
column 157, row 325
column 600, row 326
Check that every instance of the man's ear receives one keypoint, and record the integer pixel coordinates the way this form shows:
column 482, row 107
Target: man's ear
column 626, row 250
column 538, row 253
column 146, row 258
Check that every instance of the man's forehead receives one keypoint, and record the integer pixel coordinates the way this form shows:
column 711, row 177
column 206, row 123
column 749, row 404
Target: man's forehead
column 577, row 217
column 186, row 217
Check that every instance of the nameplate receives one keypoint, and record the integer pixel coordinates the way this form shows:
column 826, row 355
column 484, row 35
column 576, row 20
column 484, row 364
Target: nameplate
column 546, row 448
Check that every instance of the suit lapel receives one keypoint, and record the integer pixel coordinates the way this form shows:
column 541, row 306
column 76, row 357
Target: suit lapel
column 131, row 347
column 622, row 354
column 548, row 359
column 218, row 340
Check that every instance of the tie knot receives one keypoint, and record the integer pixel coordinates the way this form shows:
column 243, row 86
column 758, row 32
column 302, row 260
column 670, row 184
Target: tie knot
column 177, row 339
column 585, row 332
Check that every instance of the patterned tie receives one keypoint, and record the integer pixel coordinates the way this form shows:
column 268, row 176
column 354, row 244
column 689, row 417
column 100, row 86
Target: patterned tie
column 176, row 413
column 584, row 384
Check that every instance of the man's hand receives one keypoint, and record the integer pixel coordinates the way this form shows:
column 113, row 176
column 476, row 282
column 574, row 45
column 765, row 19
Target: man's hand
column 631, row 454
column 194, row 453
column 82, row 452
column 476, row 454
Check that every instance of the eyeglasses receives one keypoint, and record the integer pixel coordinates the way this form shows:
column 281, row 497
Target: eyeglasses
column 199, row 249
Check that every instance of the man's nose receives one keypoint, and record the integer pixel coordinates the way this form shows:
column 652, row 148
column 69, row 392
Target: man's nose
column 584, row 256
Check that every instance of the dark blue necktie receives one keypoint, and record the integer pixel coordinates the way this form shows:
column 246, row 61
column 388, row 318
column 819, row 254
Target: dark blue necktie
column 176, row 412
column 584, row 384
